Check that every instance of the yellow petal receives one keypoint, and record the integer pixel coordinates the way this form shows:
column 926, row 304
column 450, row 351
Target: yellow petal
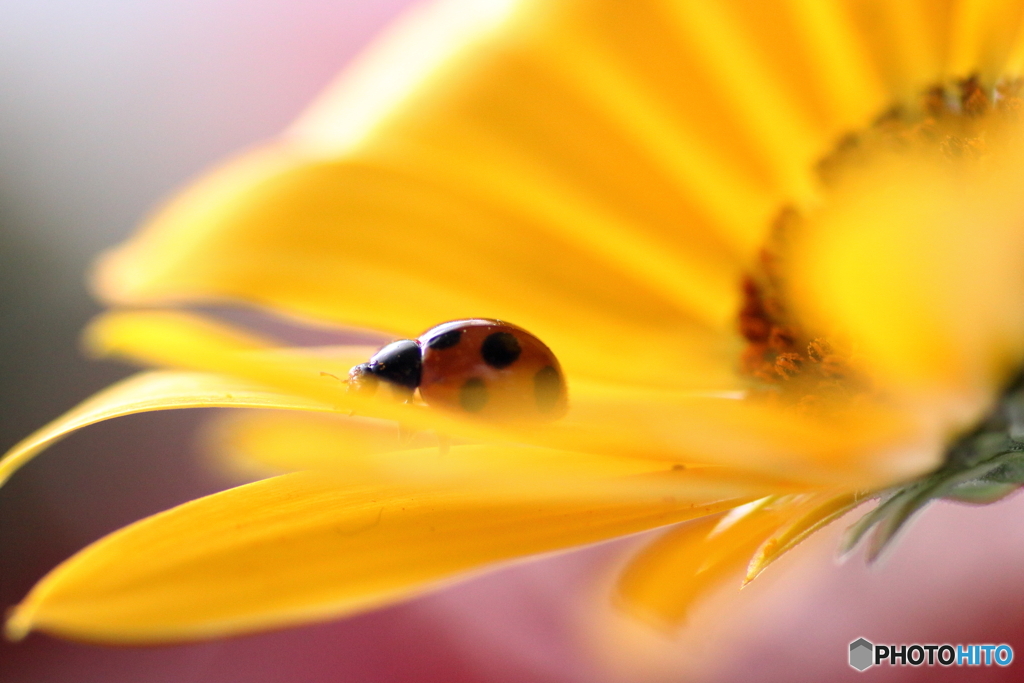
column 467, row 139
column 298, row 548
column 865, row 447
column 454, row 173
column 446, row 259
column 859, row 449
column 840, row 65
column 666, row 578
column 907, row 40
column 190, row 342
column 148, row 391
column 375, row 451
column 817, row 512
column 984, row 33
column 768, row 108
column 341, row 444
column 383, row 79
column 1015, row 58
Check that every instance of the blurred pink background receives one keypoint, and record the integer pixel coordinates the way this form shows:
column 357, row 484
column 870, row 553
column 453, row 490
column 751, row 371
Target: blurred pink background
column 108, row 106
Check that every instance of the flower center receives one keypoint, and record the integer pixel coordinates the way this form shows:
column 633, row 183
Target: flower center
column 784, row 359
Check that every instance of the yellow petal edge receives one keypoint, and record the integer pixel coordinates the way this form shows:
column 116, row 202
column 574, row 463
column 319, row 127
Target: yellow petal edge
column 149, row 391
column 300, row 548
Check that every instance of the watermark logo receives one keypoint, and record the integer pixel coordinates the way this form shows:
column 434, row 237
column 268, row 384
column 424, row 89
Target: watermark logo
column 861, row 654
column 865, row 654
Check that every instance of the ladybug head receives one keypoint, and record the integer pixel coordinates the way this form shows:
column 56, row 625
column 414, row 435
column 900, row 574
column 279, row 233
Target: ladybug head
column 399, row 363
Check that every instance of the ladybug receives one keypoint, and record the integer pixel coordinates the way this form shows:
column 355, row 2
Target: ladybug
column 483, row 367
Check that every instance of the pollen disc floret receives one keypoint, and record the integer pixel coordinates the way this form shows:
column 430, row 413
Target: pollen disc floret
column 953, row 127
column 963, row 133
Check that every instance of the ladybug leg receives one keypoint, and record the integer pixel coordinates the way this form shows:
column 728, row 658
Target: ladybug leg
column 400, row 393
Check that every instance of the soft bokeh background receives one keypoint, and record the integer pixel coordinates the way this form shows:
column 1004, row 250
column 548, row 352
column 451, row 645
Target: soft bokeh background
column 107, row 106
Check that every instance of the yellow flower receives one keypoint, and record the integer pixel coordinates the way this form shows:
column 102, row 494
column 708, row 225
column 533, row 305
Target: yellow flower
column 775, row 246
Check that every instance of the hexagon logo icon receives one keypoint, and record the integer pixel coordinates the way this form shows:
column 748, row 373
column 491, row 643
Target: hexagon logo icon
column 861, row 654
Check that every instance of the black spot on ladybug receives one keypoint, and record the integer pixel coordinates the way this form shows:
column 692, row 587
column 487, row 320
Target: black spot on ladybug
column 547, row 388
column 445, row 340
column 473, row 395
column 500, row 350
column 399, row 362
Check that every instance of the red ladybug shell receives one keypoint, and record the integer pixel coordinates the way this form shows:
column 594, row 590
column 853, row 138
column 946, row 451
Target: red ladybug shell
column 492, row 369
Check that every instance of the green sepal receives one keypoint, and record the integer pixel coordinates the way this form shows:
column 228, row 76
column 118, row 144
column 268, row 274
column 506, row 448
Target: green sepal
column 981, row 467
column 981, row 492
